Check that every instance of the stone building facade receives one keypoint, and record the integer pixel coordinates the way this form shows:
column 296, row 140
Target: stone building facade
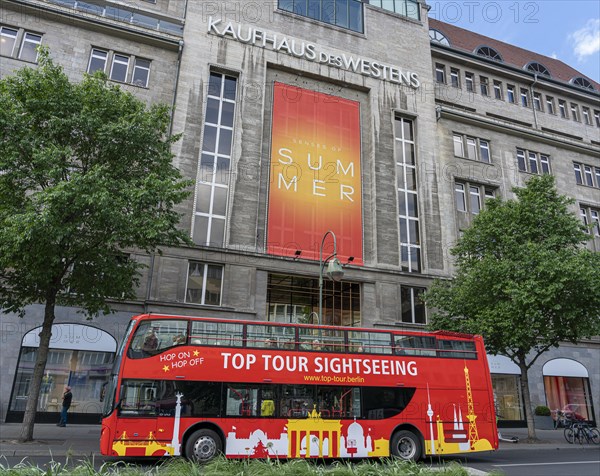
column 439, row 132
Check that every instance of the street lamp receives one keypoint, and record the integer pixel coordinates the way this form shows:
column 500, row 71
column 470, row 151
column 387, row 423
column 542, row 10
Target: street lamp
column 334, row 270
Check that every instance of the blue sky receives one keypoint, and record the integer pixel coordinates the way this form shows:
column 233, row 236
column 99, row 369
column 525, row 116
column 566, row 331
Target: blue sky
column 568, row 30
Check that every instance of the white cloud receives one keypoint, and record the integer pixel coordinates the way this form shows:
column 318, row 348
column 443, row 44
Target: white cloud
column 586, row 40
column 554, row 55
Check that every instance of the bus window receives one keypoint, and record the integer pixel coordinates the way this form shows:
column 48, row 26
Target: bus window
column 138, row 398
column 152, row 337
column 462, row 349
column 328, row 340
column 223, row 334
column 385, row 402
column 242, row 400
column 370, row 342
column 415, row 345
column 338, row 402
column 297, row 401
column 270, row 337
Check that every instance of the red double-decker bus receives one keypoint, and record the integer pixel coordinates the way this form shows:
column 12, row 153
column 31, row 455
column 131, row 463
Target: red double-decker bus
column 201, row 387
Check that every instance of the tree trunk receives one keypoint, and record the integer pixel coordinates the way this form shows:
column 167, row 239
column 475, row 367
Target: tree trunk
column 527, row 401
column 38, row 372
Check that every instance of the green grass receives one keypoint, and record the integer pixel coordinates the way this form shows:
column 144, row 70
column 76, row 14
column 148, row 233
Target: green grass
column 225, row 467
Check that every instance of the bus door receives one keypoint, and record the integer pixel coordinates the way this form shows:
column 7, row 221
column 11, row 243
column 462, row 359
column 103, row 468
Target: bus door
column 138, row 413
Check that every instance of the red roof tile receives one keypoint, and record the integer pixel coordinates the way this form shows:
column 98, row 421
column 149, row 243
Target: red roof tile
column 466, row 40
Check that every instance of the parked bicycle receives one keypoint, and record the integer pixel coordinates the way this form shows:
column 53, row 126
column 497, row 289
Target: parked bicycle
column 582, row 432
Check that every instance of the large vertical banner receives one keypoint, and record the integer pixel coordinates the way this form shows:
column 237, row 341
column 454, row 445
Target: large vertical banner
column 315, row 174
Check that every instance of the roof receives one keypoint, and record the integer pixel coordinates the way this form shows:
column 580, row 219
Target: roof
column 468, row 41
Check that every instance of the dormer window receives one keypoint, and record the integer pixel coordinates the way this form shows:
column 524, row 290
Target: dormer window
column 488, row 52
column 537, row 68
column 582, row 83
column 438, row 37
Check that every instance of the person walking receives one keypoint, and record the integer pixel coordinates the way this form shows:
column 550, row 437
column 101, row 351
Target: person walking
column 66, row 403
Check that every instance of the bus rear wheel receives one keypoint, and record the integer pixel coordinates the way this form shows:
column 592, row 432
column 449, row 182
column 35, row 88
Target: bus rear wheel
column 406, row 445
column 203, row 445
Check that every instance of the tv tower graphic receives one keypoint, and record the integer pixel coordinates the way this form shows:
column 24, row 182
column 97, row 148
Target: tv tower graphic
column 473, row 434
column 175, row 441
column 430, row 415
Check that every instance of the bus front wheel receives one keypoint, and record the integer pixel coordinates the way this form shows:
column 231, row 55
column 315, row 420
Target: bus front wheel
column 203, row 445
column 406, row 445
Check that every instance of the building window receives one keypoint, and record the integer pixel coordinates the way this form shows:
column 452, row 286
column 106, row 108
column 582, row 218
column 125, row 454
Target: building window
column 119, row 68
column 507, row 390
column 204, row 284
column 498, row 90
column 470, row 197
column 469, row 82
column 510, row 93
column 459, row 194
column 533, row 162
column 524, row 98
column 29, row 47
column 343, row 13
column 435, row 35
column 582, row 83
column 597, row 118
column 476, row 149
column 587, row 175
column 562, row 107
column 550, row 105
column 412, row 305
column 537, row 101
column 141, row 72
column 590, row 216
column 575, row 112
column 578, row 175
column 408, row 209
column 440, row 73
column 585, row 111
column 488, row 52
column 8, row 40
column 455, row 77
column 538, row 68
column 215, row 161
column 484, row 85
column 295, row 299
column 407, row 8
column 97, row 61
column 29, row 42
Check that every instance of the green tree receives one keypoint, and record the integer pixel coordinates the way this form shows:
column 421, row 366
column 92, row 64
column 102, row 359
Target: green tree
column 85, row 172
column 524, row 279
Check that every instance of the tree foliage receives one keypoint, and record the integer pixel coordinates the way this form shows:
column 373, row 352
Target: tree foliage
column 524, row 279
column 85, row 172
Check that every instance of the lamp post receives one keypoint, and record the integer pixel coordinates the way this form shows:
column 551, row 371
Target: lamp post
column 334, row 270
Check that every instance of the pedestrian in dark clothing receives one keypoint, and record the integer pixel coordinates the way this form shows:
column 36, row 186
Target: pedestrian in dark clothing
column 66, row 403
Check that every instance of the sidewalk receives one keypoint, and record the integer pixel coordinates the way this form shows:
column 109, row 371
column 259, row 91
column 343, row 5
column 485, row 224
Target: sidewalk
column 80, row 441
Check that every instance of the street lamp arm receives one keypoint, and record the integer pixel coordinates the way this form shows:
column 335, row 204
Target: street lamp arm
column 334, row 270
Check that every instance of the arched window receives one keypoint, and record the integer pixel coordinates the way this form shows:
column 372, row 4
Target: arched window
column 537, row 68
column 488, row 52
column 582, row 82
column 438, row 37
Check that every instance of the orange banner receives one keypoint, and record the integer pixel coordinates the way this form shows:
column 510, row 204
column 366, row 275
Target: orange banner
column 315, row 175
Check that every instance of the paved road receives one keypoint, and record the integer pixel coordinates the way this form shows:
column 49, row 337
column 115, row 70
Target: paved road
column 551, row 461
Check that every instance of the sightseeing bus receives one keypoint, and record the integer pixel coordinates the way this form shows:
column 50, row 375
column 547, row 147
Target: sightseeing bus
column 200, row 387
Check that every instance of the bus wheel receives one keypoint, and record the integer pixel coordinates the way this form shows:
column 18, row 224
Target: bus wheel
column 203, row 445
column 406, row 445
